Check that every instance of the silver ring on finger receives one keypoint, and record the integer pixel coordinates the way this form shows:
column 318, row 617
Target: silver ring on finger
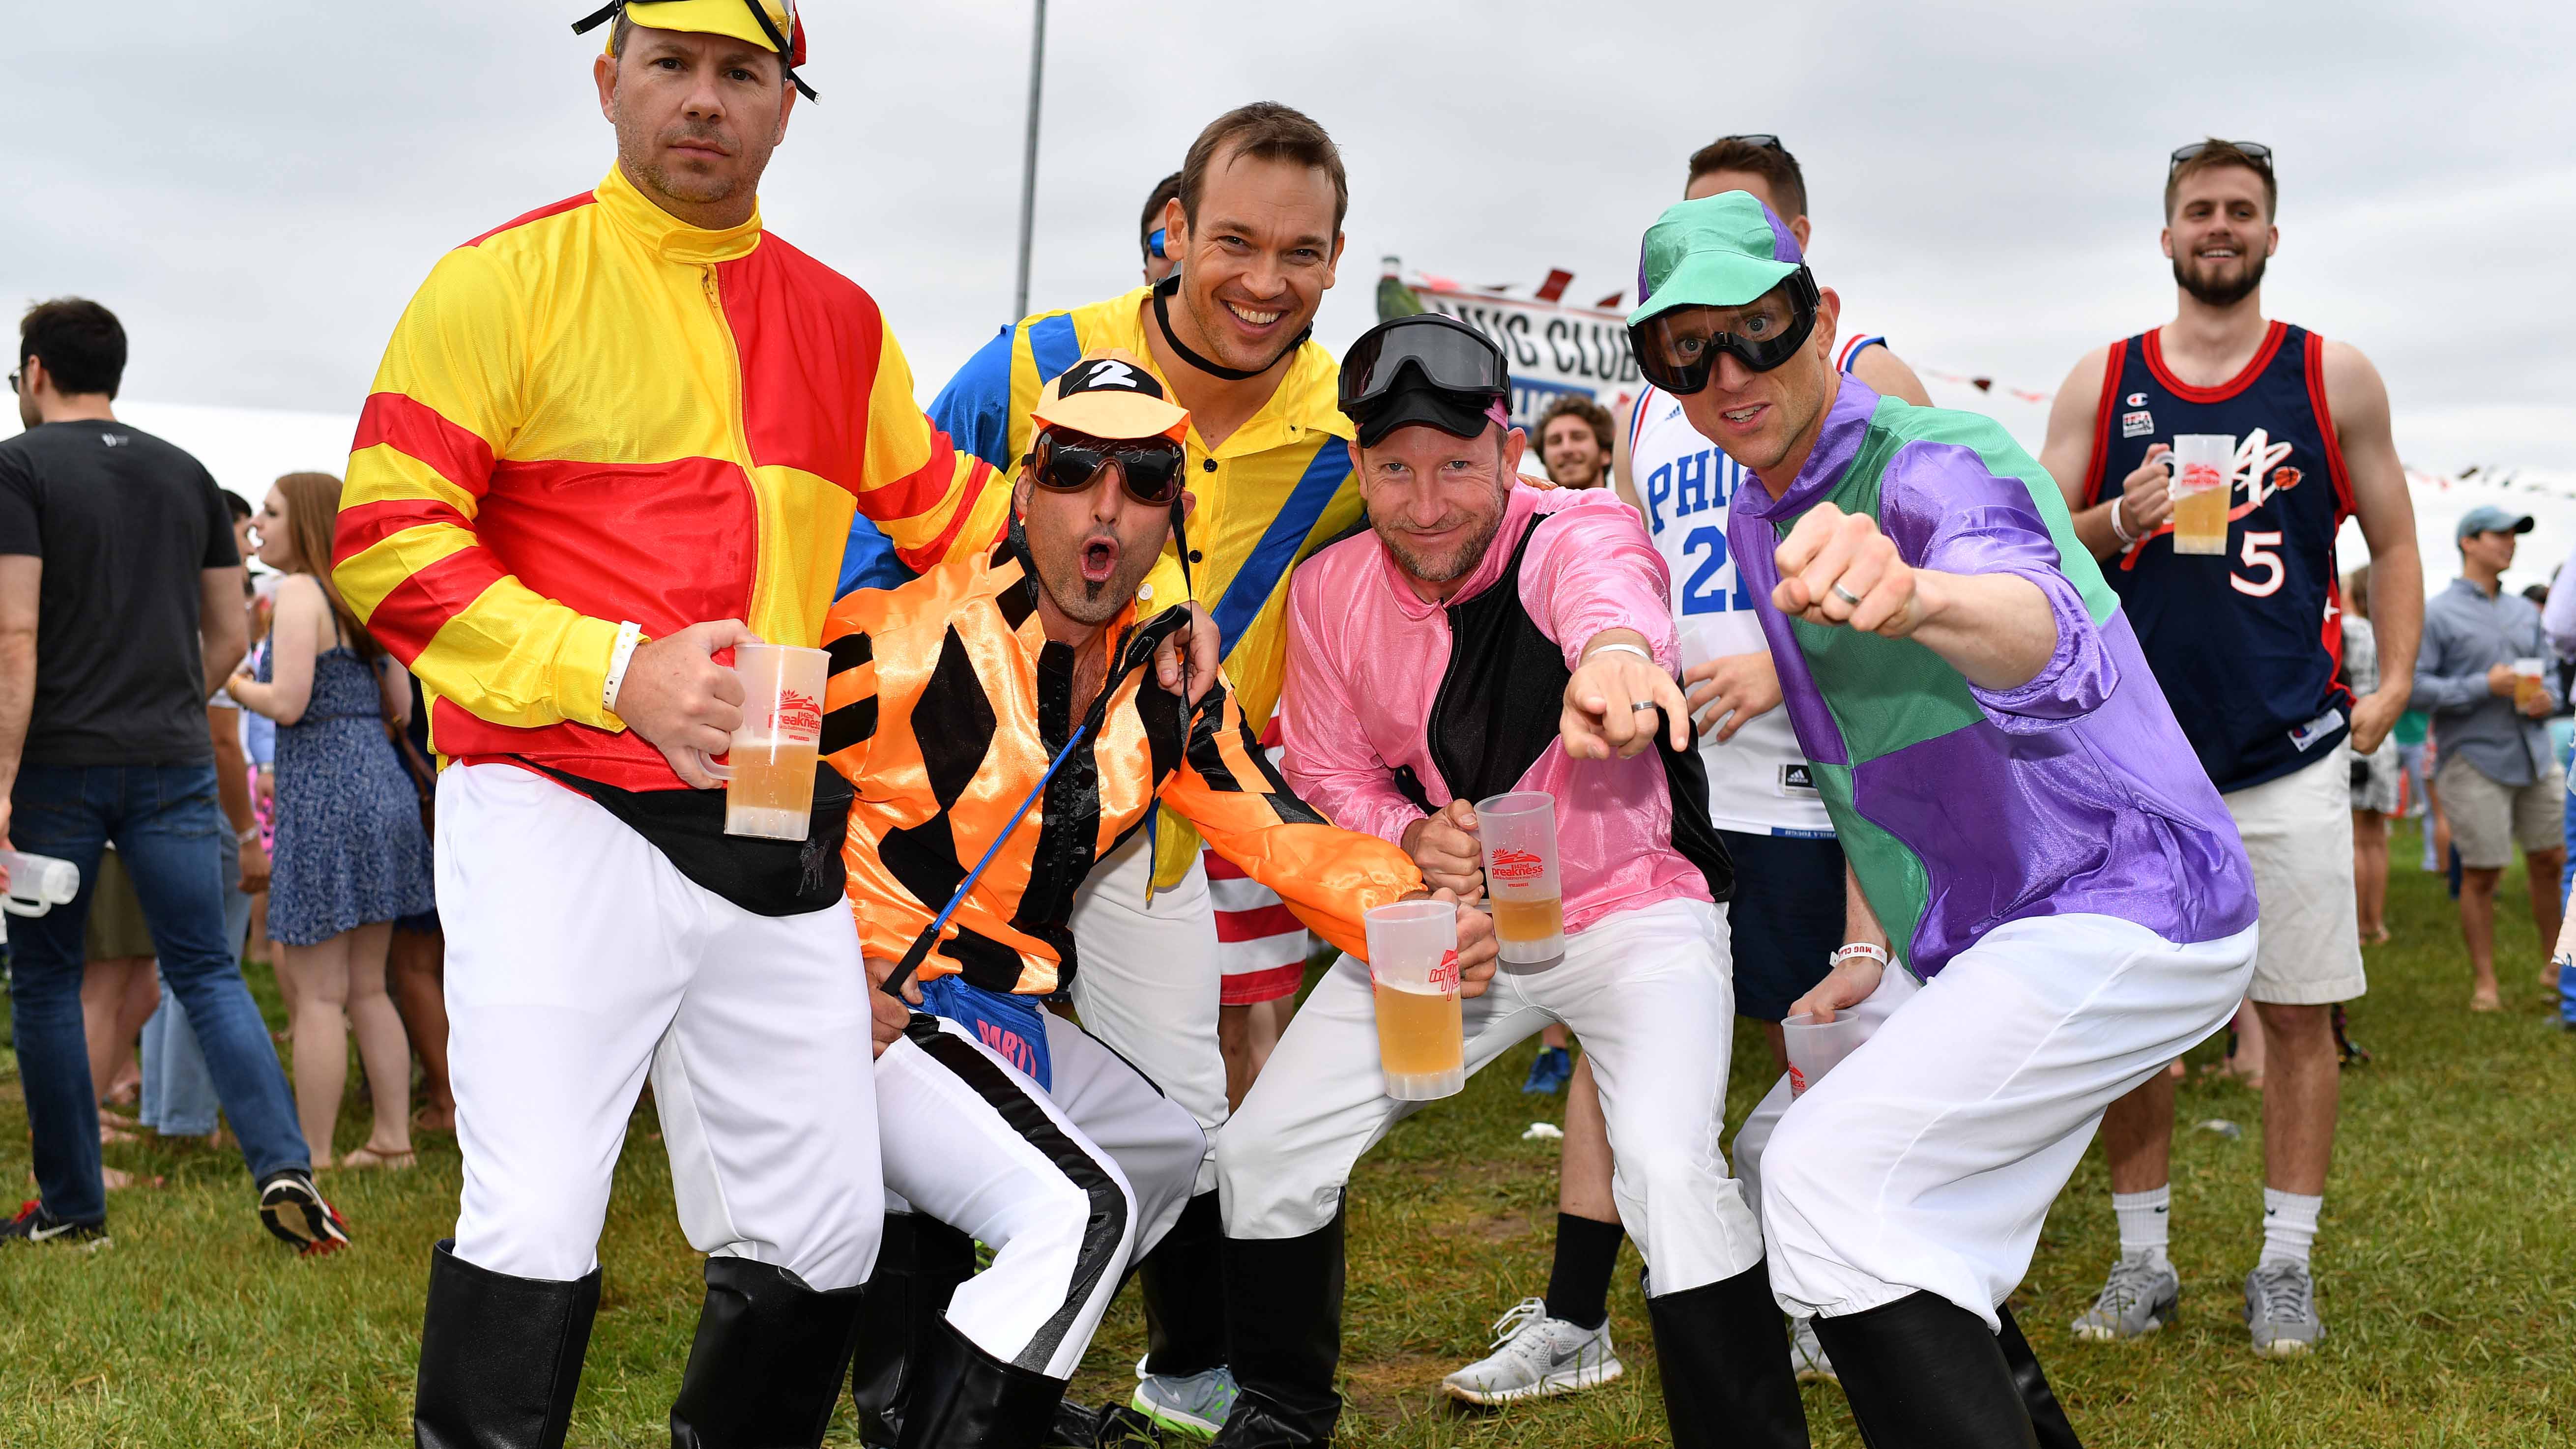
column 1844, row 594
column 1642, row 706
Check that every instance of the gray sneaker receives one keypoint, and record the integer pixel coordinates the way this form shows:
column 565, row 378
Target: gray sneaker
column 1195, row 1405
column 1807, row 1356
column 2281, row 1310
column 1536, row 1357
column 2138, row 1299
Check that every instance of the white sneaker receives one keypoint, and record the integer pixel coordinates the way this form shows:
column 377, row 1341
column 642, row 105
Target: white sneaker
column 1807, row 1356
column 1193, row 1405
column 1536, row 1357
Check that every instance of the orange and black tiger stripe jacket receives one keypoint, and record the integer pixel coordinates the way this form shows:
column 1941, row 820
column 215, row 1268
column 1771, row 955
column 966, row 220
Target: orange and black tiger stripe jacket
column 947, row 701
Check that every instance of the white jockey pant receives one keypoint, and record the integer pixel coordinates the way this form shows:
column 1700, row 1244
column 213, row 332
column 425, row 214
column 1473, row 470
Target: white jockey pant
column 579, row 959
column 1927, row 1159
column 1148, row 980
column 1067, row 1186
column 1649, row 994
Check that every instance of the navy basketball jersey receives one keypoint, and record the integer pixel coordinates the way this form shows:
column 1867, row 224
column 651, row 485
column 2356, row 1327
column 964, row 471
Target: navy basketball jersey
column 2247, row 643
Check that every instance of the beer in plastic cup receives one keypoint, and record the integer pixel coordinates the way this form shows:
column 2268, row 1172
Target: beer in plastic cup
column 2204, row 471
column 1814, row 1047
column 2527, row 683
column 769, row 780
column 1518, row 832
column 1421, row 1027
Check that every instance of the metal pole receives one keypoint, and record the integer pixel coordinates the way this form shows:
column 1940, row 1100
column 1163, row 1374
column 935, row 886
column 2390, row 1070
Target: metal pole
column 1029, row 163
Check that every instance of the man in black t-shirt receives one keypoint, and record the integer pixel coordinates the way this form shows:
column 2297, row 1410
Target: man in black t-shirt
column 120, row 613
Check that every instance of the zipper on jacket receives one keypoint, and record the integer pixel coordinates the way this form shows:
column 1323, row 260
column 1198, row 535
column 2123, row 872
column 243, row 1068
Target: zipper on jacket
column 734, row 429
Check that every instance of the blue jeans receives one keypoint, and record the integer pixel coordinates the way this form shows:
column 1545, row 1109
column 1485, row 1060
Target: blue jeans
column 165, row 824
column 178, row 1093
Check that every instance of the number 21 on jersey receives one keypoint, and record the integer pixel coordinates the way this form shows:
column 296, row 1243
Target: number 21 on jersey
column 1705, row 591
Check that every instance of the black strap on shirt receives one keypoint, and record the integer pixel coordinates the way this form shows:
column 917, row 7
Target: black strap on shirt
column 1498, row 708
column 764, row 877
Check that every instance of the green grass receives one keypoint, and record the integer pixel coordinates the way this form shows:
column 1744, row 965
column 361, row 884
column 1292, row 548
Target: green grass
column 2447, row 1263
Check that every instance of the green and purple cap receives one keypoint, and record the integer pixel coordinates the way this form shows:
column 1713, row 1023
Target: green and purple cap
column 1719, row 251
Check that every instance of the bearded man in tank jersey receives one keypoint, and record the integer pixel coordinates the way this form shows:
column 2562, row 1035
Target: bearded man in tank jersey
column 2247, row 644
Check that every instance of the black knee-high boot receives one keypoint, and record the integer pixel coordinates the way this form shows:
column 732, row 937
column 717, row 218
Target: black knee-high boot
column 500, row 1357
column 963, row 1396
column 1923, row 1373
column 1182, row 1284
column 766, row 1366
column 1724, row 1358
column 2047, row 1418
column 1283, row 1319
column 920, row 1264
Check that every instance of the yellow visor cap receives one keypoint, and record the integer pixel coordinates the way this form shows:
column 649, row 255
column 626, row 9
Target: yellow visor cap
column 1110, row 394
column 722, row 17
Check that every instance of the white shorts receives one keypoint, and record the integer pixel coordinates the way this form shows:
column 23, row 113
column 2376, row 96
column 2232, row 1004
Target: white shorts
column 2298, row 834
column 1926, row 1160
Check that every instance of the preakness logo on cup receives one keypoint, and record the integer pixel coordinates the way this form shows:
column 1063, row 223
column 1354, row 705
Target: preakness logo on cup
column 1518, row 867
column 1444, row 977
column 797, row 717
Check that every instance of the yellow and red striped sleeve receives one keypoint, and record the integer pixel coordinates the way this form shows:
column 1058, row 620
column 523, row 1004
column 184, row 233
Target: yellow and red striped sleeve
column 929, row 497
column 446, row 400
column 1328, row 877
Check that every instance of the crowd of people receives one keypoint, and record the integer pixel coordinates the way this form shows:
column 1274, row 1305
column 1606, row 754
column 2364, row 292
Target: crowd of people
column 1161, row 639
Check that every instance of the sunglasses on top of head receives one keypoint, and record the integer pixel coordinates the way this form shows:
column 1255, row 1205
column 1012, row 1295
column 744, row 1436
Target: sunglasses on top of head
column 2255, row 151
column 1148, row 468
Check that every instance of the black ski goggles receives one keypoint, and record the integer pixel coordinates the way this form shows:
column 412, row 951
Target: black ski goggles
column 1148, row 468
column 1448, row 354
column 1677, row 350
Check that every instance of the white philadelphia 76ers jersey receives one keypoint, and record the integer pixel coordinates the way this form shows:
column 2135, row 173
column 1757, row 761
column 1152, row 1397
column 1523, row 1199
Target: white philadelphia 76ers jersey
column 1758, row 782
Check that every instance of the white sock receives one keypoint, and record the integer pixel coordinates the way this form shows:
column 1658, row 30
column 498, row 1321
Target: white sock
column 2143, row 1221
column 2289, row 1225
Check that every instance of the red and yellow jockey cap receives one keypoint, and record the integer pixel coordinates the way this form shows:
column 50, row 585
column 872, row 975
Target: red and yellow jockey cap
column 765, row 23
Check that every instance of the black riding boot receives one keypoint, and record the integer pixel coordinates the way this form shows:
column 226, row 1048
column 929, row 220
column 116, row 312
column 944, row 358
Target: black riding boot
column 1725, row 1362
column 500, row 1357
column 1283, row 1318
column 921, row 1261
column 1182, row 1285
column 1923, row 1373
column 766, row 1366
column 2047, row 1419
column 962, row 1396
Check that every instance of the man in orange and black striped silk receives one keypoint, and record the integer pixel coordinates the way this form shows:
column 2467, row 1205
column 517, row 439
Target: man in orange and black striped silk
column 949, row 699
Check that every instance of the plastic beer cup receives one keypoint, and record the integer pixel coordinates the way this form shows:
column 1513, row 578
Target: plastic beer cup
column 1518, row 832
column 1421, row 1023
column 2527, row 683
column 769, row 777
column 1815, row 1047
column 2204, row 469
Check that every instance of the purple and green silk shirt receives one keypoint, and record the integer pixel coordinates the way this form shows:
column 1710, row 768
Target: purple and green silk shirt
column 1962, row 808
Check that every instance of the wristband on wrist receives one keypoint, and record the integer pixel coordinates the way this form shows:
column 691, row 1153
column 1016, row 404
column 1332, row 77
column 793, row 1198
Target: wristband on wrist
column 247, row 836
column 1857, row 949
column 629, row 634
column 1621, row 646
column 2119, row 521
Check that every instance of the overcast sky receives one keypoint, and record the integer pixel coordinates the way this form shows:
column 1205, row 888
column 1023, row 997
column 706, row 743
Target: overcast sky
column 257, row 189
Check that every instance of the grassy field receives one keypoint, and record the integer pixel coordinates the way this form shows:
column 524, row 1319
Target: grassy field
column 2447, row 1263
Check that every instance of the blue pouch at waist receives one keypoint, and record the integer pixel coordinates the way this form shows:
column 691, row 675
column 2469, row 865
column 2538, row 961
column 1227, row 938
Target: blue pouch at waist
column 1012, row 1025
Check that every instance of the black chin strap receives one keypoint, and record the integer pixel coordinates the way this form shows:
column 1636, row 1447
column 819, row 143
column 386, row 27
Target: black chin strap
column 1163, row 291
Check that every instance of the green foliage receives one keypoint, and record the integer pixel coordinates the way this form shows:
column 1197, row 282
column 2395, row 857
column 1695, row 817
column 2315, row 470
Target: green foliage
column 2446, row 1264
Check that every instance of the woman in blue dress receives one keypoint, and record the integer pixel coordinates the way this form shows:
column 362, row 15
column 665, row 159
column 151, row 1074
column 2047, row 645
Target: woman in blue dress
column 351, row 855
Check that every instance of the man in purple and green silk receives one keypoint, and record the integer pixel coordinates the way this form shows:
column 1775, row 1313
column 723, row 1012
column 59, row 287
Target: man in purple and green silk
column 2017, row 805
